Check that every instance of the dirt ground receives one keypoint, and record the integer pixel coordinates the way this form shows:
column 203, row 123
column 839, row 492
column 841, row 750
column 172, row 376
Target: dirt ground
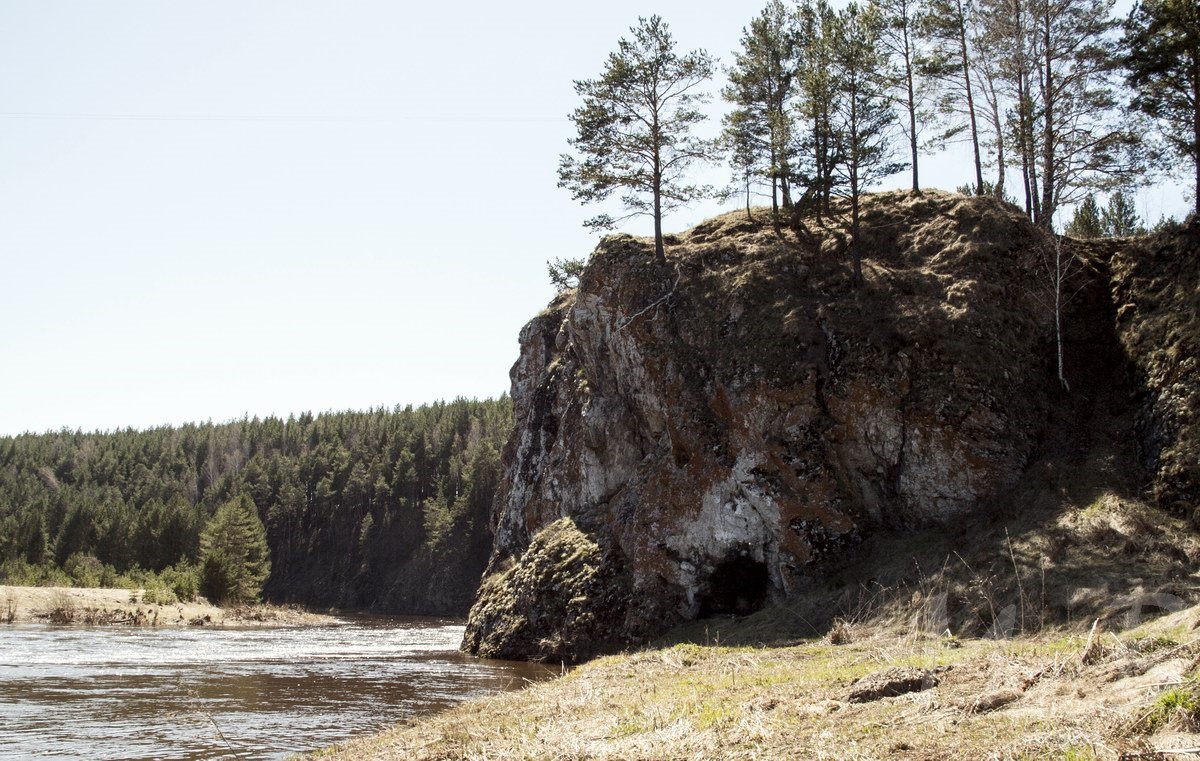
column 71, row 605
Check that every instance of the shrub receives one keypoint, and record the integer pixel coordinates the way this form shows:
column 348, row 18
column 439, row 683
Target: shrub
column 183, row 580
column 84, row 570
column 159, row 595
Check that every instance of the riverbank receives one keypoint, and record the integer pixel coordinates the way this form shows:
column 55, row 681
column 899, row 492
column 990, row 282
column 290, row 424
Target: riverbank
column 75, row 605
column 863, row 692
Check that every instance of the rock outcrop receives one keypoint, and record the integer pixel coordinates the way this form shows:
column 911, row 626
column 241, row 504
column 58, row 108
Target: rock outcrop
column 1156, row 290
column 705, row 437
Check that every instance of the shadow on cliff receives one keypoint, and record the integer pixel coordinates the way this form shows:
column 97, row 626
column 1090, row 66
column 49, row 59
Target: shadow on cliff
column 744, row 429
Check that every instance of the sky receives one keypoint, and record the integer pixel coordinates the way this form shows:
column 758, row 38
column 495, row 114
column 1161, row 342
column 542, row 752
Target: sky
column 218, row 209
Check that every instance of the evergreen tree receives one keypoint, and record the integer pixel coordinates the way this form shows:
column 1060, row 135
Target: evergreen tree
column 565, row 273
column 762, row 84
column 1086, row 224
column 903, row 42
column 634, row 129
column 1162, row 58
column 945, row 25
column 747, row 159
column 234, row 555
column 1009, row 42
column 820, row 98
column 993, row 62
column 1083, row 146
column 1119, row 219
column 866, row 120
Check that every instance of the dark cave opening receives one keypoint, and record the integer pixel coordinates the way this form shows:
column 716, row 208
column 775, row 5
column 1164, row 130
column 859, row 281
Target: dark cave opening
column 737, row 586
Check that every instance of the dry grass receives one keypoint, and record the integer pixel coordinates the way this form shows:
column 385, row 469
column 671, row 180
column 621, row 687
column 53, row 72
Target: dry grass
column 1010, row 699
column 62, row 608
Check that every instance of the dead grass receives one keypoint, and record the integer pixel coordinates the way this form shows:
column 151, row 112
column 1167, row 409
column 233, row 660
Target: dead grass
column 1025, row 698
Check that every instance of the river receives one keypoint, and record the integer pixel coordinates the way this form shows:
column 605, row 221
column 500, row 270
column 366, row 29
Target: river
column 193, row 693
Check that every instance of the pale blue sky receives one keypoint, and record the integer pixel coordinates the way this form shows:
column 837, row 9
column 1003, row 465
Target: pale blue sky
column 220, row 208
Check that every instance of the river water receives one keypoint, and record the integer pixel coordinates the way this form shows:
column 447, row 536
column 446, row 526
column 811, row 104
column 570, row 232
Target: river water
column 133, row 693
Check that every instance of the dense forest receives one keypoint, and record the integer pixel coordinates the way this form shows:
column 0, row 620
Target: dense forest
column 385, row 509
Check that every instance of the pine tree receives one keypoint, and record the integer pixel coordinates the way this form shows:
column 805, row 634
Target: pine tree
column 1119, row 219
column 903, row 41
column 820, row 98
column 762, row 84
column 634, row 129
column 234, row 555
column 744, row 150
column 996, row 61
column 1162, row 58
column 945, row 24
column 1082, row 145
column 866, row 118
column 1086, row 224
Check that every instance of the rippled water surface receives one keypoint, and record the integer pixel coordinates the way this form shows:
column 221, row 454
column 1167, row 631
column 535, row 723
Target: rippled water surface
column 107, row 692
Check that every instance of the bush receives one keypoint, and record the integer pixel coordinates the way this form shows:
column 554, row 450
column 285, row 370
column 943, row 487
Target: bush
column 182, row 579
column 159, row 595
column 84, row 570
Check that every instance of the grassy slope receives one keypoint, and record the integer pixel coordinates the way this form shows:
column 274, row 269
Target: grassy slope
column 1032, row 697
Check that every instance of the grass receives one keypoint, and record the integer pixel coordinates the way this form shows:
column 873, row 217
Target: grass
column 62, row 609
column 696, row 701
column 1178, row 707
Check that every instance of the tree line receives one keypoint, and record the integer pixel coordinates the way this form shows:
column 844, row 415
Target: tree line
column 350, row 503
column 1058, row 93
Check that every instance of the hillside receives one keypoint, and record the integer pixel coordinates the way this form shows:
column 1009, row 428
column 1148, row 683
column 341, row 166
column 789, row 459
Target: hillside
column 743, row 430
column 385, row 509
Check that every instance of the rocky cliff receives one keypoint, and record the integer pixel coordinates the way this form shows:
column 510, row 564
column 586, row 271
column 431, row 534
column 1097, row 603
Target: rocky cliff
column 704, row 437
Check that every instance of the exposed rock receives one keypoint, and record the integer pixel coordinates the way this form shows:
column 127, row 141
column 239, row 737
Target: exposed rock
column 721, row 428
column 891, row 683
column 1156, row 287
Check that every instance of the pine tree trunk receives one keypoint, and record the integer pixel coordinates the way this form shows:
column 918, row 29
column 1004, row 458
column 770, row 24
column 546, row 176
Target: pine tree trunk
column 748, row 214
column 855, row 245
column 660, row 255
column 1058, row 331
column 774, row 186
column 966, row 66
column 1196, row 123
column 819, row 165
column 1049, row 174
column 912, row 112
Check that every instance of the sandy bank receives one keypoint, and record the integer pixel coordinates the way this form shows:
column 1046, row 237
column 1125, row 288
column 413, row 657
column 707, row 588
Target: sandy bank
column 70, row 605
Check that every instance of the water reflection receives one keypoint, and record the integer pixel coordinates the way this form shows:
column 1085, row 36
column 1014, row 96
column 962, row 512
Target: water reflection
column 210, row 693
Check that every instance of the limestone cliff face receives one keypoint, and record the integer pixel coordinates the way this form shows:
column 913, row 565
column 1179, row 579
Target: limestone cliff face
column 704, row 437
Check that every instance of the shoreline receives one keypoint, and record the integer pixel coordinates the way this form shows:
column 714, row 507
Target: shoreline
column 102, row 606
column 874, row 691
